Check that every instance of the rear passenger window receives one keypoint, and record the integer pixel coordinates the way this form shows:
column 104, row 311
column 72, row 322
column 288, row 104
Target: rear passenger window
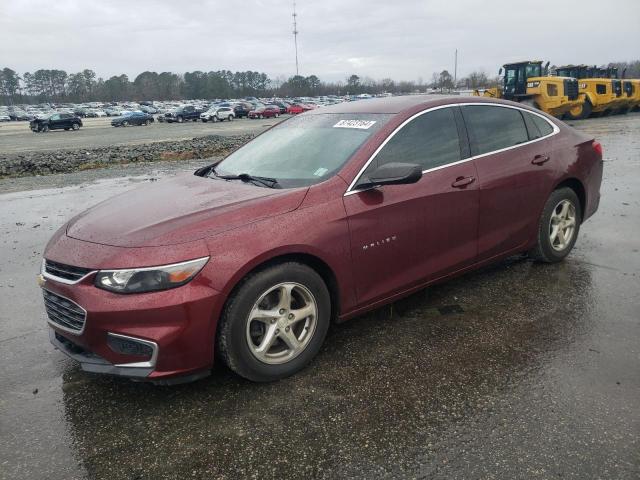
column 493, row 128
column 430, row 140
column 537, row 126
column 544, row 126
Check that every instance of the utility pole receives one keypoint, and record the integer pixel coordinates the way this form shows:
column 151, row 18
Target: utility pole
column 295, row 33
column 455, row 71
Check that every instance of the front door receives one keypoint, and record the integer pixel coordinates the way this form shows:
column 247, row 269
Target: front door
column 404, row 235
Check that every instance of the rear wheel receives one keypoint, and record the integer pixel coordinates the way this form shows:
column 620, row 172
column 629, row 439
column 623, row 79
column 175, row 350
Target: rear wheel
column 230, row 117
column 580, row 112
column 75, row 126
column 558, row 227
column 147, row 123
column 275, row 322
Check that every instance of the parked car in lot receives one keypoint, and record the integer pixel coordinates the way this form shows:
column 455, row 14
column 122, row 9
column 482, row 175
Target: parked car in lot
column 268, row 111
column 57, row 121
column 295, row 109
column 4, row 117
column 132, row 118
column 216, row 114
column 242, row 109
column 255, row 255
column 181, row 114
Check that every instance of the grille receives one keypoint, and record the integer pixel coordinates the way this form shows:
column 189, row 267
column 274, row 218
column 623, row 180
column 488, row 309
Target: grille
column 65, row 271
column 571, row 88
column 617, row 88
column 63, row 312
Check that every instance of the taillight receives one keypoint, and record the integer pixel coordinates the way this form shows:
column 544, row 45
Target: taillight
column 597, row 146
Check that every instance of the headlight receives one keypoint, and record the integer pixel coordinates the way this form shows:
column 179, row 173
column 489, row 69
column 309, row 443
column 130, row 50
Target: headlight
column 533, row 84
column 149, row 279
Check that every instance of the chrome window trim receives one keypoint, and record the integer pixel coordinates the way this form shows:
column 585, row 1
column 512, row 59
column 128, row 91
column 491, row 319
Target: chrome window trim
column 151, row 363
column 66, row 281
column 61, row 327
column 556, row 130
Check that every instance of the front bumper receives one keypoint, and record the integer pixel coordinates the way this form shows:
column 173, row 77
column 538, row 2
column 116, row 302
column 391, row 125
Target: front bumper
column 175, row 330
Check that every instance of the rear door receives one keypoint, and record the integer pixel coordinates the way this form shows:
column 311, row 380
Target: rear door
column 403, row 235
column 515, row 173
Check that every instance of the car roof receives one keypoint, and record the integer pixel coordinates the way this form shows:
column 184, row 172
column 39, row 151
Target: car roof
column 401, row 104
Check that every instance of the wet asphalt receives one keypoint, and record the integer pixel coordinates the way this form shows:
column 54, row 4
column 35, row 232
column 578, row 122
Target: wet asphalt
column 518, row 371
column 16, row 137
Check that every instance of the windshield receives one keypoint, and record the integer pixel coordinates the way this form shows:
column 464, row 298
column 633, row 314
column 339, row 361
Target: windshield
column 534, row 70
column 303, row 150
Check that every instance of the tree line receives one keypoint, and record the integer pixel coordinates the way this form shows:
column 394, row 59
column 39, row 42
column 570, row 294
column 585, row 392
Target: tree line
column 52, row 85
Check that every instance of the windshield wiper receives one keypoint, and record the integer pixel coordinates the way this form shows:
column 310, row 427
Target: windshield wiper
column 245, row 177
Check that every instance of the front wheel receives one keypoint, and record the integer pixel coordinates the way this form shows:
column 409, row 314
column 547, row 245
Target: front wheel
column 180, row 119
column 558, row 226
column 580, row 112
column 275, row 322
column 230, row 117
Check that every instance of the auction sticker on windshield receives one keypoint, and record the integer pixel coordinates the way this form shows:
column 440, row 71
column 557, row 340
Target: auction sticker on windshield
column 360, row 124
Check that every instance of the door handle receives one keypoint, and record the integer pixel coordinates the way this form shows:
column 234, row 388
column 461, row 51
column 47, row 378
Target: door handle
column 462, row 182
column 540, row 159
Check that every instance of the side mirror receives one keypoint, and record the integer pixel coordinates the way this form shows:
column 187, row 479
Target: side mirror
column 500, row 71
column 394, row 174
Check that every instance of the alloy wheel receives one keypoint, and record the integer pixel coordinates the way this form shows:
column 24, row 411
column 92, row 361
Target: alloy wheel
column 281, row 323
column 562, row 225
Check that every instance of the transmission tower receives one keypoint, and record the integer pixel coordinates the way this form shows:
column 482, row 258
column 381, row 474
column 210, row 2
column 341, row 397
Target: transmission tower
column 295, row 33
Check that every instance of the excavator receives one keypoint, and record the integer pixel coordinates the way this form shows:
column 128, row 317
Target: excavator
column 528, row 83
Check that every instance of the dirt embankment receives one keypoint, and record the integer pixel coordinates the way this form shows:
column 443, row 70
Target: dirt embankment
column 44, row 163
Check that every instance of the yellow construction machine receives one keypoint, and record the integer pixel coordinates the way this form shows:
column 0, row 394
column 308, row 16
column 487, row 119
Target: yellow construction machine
column 528, row 82
column 600, row 91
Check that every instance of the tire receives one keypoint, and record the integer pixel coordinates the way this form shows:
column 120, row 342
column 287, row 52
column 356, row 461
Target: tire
column 125, row 123
column 147, row 123
column 585, row 112
column 239, row 334
column 552, row 251
column 180, row 119
column 75, row 127
column 230, row 117
column 66, row 129
column 204, row 120
column 45, row 128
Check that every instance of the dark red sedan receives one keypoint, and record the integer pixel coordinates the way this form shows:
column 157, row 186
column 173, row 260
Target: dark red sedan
column 321, row 218
column 268, row 111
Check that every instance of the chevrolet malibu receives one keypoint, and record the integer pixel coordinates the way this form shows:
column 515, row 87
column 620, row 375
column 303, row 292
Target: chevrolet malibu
column 321, row 218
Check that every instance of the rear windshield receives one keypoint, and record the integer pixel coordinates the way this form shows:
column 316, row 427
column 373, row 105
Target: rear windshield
column 304, row 150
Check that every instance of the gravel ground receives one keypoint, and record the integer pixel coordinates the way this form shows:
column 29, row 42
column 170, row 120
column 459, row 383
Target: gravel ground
column 520, row 370
column 43, row 163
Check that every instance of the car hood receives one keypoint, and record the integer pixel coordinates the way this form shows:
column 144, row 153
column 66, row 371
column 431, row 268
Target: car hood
column 179, row 210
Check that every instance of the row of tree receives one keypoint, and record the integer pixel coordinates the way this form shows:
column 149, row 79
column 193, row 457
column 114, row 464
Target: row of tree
column 50, row 85
column 46, row 85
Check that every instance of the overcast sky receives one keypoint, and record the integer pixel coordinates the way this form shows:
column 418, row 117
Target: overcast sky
column 401, row 39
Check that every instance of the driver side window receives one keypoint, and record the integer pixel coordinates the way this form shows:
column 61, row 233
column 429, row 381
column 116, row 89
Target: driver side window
column 430, row 140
